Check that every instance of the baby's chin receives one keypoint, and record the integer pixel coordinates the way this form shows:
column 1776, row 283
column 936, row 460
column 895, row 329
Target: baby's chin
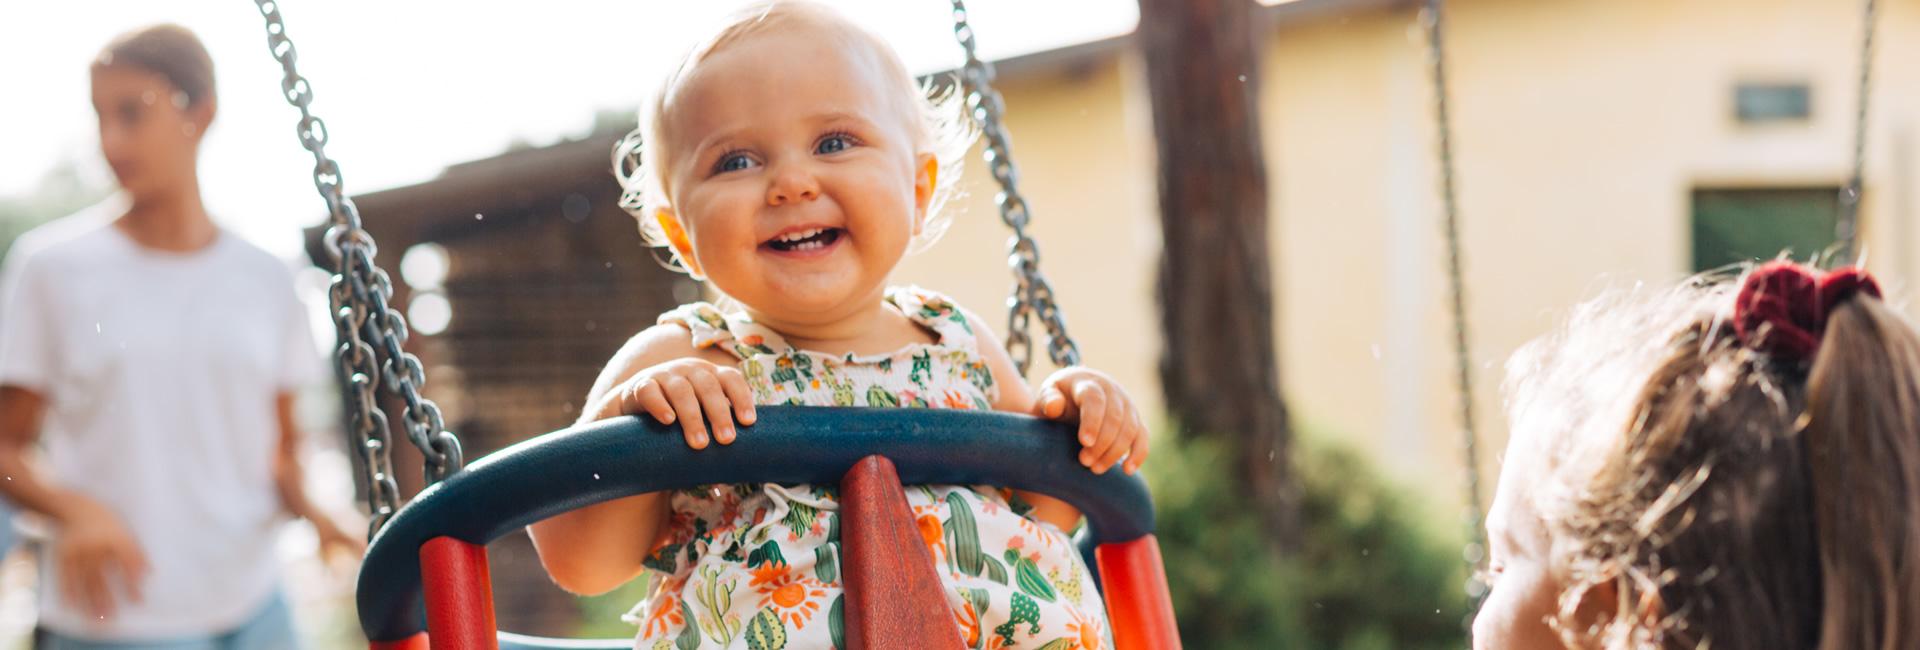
column 807, row 297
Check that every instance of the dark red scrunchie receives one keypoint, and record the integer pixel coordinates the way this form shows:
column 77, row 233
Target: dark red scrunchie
column 1782, row 308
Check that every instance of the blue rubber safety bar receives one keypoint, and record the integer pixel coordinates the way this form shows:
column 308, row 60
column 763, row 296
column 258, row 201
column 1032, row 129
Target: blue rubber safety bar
column 578, row 467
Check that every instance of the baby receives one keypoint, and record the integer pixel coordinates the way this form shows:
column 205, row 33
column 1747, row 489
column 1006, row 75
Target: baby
column 792, row 162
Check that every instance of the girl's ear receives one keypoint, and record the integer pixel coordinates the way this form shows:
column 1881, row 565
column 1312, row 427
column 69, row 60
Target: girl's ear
column 926, row 178
column 677, row 239
column 1595, row 606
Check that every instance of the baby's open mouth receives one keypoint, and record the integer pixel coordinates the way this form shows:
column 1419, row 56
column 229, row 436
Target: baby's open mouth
column 805, row 240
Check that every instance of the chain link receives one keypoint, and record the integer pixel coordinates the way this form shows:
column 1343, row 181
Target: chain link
column 371, row 335
column 1032, row 295
column 1846, row 227
column 1432, row 18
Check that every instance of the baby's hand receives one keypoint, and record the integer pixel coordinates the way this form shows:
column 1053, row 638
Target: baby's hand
column 696, row 392
column 1110, row 426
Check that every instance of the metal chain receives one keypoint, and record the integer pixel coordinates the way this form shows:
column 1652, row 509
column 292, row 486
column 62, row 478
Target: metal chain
column 371, row 335
column 1032, row 295
column 1456, row 284
column 1846, row 228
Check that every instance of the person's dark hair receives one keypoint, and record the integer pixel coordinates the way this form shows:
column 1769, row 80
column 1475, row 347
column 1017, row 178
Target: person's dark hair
column 169, row 51
column 1752, row 499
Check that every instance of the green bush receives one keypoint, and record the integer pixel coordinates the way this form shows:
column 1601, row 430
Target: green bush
column 600, row 616
column 1370, row 572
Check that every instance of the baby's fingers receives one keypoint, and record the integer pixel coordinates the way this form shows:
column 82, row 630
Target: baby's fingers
column 713, row 399
column 1137, row 454
column 1052, row 404
column 1114, row 427
column 1091, row 400
column 686, row 405
column 647, row 396
column 735, row 385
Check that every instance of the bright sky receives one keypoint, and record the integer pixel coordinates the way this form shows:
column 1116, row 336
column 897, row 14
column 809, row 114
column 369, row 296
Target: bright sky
column 408, row 88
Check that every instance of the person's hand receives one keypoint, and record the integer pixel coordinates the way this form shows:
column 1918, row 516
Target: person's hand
column 97, row 556
column 1110, row 425
column 335, row 541
column 694, row 392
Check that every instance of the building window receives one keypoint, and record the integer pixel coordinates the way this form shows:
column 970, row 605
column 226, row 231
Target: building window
column 1739, row 225
column 1772, row 102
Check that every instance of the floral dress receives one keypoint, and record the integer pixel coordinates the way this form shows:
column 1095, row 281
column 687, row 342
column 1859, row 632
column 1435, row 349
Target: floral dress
column 756, row 567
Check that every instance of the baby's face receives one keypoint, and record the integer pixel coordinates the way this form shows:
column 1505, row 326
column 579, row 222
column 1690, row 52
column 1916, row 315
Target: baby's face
column 791, row 166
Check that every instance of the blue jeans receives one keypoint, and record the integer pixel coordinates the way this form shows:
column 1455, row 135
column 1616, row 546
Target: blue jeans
column 270, row 629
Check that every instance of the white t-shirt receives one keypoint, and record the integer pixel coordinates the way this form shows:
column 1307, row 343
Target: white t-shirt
column 160, row 372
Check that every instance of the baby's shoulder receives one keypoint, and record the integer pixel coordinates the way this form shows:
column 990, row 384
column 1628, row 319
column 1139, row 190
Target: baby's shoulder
column 656, row 345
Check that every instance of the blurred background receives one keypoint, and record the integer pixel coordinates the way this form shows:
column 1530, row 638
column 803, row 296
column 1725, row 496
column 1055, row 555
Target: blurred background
column 1597, row 142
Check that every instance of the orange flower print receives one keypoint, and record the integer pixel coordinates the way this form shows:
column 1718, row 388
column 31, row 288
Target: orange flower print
column 958, row 400
column 664, row 615
column 933, row 534
column 768, row 573
column 794, row 598
column 969, row 623
column 752, row 340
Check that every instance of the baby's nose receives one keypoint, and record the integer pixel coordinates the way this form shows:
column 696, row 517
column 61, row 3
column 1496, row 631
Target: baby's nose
column 792, row 185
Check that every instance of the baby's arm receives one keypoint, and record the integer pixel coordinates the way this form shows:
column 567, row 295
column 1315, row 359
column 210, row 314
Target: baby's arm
column 594, row 549
column 1110, row 426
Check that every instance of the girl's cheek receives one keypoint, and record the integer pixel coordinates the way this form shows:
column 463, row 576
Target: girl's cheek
column 1516, row 611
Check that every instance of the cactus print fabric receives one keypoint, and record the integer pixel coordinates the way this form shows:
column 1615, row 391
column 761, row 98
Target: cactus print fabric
column 756, row 567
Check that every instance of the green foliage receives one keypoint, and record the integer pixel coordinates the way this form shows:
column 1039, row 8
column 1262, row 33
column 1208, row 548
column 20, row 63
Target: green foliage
column 1370, row 572
column 600, row 615
column 61, row 192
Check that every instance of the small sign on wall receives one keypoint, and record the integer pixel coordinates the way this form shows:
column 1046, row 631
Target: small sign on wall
column 1759, row 103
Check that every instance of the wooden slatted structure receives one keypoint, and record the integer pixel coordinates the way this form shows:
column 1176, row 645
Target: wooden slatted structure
column 546, row 278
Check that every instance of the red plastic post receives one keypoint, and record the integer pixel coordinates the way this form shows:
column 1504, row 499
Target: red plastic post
column 894, row 597
column 1138, row 604
column 459, row 595
column 415, row 642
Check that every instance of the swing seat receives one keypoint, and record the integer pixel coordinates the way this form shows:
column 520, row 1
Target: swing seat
column 425, row 574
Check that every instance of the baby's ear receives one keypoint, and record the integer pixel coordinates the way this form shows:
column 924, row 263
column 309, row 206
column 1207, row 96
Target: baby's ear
column 926, row 177
column 677, row 239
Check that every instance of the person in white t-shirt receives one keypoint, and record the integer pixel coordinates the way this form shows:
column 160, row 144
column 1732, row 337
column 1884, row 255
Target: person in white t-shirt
column 152, row 357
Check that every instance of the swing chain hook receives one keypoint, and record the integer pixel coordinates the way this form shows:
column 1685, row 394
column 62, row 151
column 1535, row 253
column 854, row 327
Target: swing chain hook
column 370, row 334
column 1032, row 295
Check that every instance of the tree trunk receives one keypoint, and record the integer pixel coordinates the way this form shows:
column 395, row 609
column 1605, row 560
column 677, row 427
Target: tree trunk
column 1218, row 367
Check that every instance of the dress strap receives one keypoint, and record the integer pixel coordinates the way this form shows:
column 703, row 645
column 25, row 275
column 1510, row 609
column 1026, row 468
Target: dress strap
column 736, row 333
column 936, row 312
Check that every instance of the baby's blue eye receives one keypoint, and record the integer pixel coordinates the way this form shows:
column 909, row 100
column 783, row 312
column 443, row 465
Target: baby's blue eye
column 832, row 144
column 733, row 162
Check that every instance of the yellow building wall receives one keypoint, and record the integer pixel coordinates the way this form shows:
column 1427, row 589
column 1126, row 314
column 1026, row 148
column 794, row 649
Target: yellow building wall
column 1581, row 128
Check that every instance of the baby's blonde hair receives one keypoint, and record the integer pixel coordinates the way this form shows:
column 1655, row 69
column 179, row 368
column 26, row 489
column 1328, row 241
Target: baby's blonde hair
column 940, row 124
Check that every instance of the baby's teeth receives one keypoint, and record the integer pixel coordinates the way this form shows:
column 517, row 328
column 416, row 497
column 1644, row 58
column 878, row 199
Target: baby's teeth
column 793, row 237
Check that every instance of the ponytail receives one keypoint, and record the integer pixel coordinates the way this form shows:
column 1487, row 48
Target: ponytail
column 1862, row 439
